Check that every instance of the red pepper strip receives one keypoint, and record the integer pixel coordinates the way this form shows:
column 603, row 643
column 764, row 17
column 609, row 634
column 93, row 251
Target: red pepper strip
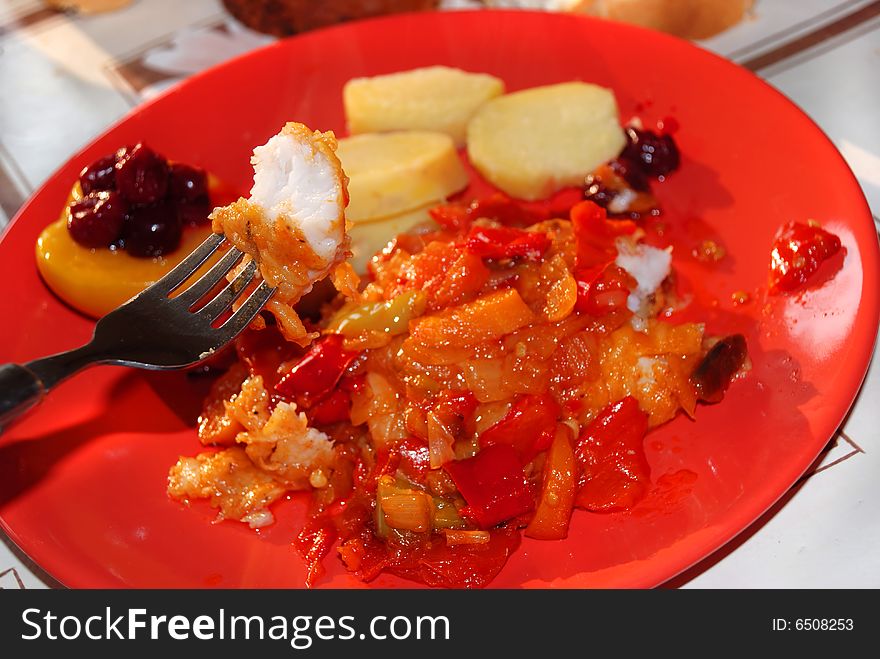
column 454, row 217
column 506, row 243
column 797, row 254
column 493, row 485
column 611, row 453
column 503, row 209
column 317, row 373
column 351, row 384
column 557, row 494
column 595, row 234
column 498, row 207
column 333, row 408
column 528, row 427
column 602, row 289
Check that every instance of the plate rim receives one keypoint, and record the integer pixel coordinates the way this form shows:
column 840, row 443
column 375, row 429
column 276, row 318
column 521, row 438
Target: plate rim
column 659, row 572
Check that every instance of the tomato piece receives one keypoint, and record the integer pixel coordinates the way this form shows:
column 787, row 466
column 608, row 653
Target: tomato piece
column 611, row 454
column 798, row 252
column 528, row 426
column 506, row 243
column 557, row 493
column 602, row 289
column 595, row 234
column 493, row 485
column 317, row 373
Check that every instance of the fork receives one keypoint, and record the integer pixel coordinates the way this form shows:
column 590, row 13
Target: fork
column 151, row 331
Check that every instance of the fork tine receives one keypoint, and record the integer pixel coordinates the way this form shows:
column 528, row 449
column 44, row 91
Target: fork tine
column 179, row 273
column 207, row 281
column 246, row 312
column 229, row 294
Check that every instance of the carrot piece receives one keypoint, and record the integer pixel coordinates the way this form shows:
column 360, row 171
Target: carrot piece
column 557, row 494
column 486, row 319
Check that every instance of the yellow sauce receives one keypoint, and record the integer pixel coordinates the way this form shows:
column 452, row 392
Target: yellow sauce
column 96, row 281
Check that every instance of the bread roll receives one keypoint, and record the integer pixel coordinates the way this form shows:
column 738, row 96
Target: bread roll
column 691, row 19
column 285, row 17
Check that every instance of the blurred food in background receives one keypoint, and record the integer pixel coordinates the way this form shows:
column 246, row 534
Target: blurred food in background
column 691, row 19
column 285, row 17
column 87, row 6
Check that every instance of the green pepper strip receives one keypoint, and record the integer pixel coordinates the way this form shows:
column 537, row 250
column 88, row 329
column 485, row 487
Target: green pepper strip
column 391, row 317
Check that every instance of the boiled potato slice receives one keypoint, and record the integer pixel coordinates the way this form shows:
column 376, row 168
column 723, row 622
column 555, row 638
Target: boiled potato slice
column 367, row 238
column 534, row 142
column 391, row 173
column 436, row 98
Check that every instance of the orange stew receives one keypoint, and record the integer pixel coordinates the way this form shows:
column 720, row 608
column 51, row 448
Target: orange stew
column 490, row 378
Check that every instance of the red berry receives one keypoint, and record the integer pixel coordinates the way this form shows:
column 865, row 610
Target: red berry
column 193, row 214
column 100, row 175
column 97, row 219
column 656, row 154
column 152, row 230
column 142, row 175
column 187, row 183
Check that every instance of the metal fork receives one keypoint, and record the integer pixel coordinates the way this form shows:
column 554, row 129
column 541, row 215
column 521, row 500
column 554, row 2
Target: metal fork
column 152, row 330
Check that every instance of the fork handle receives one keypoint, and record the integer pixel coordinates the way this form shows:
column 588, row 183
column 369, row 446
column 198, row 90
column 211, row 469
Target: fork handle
column 20, row 390
column 23, row 386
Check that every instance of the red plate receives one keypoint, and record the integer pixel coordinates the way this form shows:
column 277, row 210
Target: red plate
column 82, row 481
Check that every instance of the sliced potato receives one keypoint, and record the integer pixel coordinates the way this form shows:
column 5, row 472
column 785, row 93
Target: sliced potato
column 367, row 238
column 534, row 142
column 391, row 173
column 436, row 98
